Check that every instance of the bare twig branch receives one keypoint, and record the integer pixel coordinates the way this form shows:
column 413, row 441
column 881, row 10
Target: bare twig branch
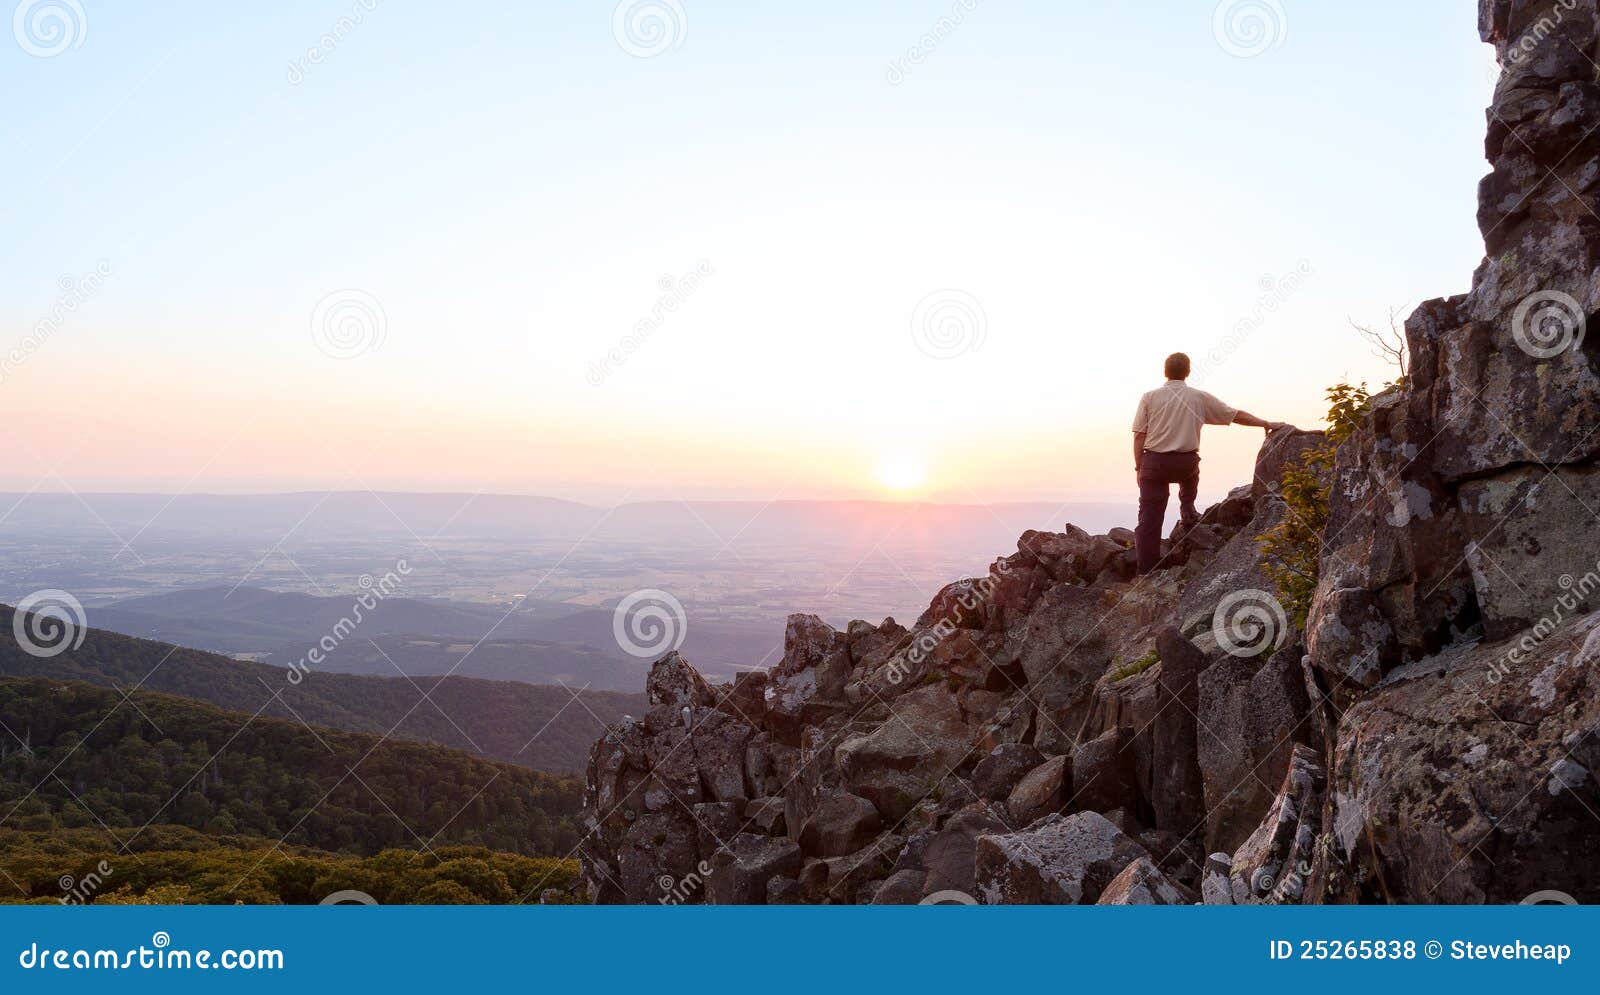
column 1388, row 345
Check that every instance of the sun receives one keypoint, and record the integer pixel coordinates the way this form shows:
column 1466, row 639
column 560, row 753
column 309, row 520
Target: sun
column 900, row 472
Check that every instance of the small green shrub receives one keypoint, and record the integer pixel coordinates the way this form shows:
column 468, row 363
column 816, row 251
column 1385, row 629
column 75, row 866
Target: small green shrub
column 1292, row 550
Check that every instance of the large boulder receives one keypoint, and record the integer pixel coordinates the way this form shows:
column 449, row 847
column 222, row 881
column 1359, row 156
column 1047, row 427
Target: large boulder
column 1176, row 787
column 1468, row 778
column 1063, row 647
column 1142, row 883
column 1253, row 710
column 1044, row 790
column 673, row 684
column 812, row 645
column 660, row 850
column 1103, row 773
column 999, row 772
column 841, row 825
column 741, row 871
column 1394, row 581
column 945, row 856
column 1062, row 860
column 901, row 761
column 1530, row 533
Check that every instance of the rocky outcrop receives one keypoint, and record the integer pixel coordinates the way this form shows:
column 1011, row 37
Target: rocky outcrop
column 1470, row 492
column 1468, row 777
column 871, row 762
column 1460, row 569
column 1052, row 732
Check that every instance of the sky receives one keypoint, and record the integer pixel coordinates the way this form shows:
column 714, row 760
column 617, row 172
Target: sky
column 919, row 249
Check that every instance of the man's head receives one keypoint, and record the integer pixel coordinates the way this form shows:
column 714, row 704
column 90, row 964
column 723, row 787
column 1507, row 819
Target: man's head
column 1177, row 366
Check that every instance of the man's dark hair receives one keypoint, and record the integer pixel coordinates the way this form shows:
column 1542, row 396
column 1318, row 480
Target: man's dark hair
column 1177, row 366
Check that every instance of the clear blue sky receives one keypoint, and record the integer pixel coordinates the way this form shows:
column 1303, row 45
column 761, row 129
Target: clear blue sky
column 1105, row 179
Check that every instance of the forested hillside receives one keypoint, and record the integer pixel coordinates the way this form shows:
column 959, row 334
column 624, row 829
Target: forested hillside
column 539, row 727
column 173, row 865
column 77, row 756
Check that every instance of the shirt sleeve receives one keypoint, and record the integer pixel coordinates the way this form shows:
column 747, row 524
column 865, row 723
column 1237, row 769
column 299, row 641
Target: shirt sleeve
column 1141, row 414
column 1216, row 412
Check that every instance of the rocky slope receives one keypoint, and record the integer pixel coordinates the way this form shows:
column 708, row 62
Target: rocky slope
column 1055, row 733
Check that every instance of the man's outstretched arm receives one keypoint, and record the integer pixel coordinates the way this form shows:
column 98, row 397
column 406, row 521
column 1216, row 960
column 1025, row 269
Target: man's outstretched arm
column 1246, row 418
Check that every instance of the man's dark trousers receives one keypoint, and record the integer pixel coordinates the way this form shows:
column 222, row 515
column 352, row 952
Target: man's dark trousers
column 1157, row 472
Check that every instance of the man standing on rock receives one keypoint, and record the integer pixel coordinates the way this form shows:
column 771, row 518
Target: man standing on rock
column 1166, row 451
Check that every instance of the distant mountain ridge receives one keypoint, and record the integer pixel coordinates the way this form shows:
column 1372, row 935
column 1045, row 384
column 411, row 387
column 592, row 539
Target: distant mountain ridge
column 546, row 728
column 976, row 526
column 540, row 642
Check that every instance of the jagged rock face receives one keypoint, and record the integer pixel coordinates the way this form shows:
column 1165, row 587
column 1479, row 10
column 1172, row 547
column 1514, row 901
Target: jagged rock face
column 1395, row 584
column 1468, row 777
column 1536, row 211
column 1472, row 490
